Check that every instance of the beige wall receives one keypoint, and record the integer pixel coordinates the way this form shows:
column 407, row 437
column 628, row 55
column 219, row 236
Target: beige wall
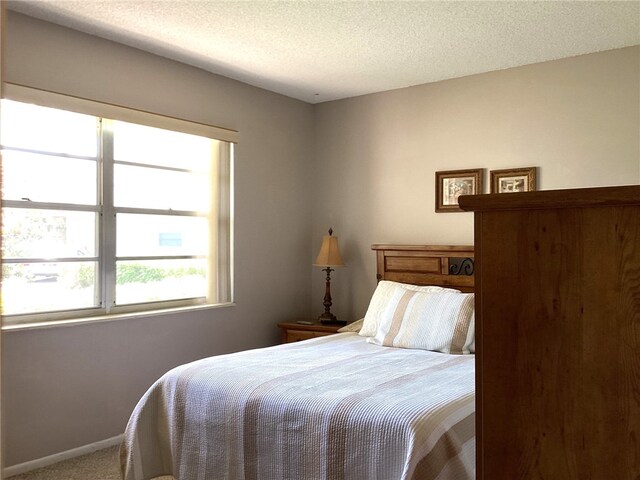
column 3, row 15
column 577, row 119
column 66, row 387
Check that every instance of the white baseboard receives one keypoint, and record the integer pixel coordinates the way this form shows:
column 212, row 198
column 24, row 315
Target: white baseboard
column 58, row 457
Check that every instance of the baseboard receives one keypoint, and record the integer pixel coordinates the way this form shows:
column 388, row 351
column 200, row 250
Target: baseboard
column 58, row 457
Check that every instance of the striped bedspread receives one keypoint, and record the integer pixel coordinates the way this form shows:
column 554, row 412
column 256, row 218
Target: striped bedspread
column 329, row 408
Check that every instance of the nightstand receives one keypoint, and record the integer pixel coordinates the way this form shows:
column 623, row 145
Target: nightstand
column 294, row 332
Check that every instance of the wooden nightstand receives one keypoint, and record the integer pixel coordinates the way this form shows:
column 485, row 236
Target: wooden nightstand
column 294, row 332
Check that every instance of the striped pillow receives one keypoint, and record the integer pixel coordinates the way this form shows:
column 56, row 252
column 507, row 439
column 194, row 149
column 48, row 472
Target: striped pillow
column 438, row 321
column 380, row 301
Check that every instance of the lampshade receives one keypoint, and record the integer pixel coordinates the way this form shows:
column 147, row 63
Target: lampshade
column 329, row 255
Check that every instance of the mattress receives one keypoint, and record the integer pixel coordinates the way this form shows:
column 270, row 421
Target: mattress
column 333, row 407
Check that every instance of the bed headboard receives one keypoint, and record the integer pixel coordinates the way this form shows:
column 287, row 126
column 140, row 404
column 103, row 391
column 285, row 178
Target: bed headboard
column 442, row 265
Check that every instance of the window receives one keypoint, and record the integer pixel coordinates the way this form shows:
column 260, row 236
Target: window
column 106, row 216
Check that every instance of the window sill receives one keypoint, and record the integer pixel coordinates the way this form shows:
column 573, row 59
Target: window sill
column 111, row 317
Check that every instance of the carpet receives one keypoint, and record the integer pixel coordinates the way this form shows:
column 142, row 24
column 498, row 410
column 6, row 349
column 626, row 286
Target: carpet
column 101, row 465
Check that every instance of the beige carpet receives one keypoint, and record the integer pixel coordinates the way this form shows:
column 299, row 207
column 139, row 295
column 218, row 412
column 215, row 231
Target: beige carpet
column 100, row 465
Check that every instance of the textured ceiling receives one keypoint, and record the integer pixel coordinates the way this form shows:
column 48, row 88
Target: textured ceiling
column 325, row 50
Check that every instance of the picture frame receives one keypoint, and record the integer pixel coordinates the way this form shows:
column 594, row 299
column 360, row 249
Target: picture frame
column 510, row 180
column 452, row 184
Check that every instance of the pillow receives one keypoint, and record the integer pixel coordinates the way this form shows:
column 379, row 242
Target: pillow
column 352, row 327
column 385, row 291
column 438, row 321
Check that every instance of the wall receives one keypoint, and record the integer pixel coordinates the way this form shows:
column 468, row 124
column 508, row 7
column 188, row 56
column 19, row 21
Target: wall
column 65, row 387
column 3, row 14
column 577, row 119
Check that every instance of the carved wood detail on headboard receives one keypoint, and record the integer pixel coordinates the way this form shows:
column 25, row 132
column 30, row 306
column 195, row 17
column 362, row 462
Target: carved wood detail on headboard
column 442, row 265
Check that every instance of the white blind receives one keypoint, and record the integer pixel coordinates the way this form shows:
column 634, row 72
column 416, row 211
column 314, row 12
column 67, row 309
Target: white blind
column 45, row 98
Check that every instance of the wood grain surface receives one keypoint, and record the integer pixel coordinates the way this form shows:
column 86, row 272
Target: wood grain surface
column 423, row 264
column 558, row 337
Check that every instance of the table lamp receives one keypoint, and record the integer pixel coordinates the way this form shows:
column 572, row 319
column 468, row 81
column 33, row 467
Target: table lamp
column 328, row 257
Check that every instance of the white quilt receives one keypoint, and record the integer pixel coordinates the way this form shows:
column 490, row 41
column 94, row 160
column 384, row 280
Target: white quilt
column 331, row 408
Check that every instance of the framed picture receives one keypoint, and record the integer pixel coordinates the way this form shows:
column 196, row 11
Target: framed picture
column 453, row 183
column 513, row 180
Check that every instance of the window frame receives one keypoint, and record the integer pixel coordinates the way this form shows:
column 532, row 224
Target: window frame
column 220, row 257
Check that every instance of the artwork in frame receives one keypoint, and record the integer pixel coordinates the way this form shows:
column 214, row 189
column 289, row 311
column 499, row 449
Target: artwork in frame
column 452, row 184
column 512, row 180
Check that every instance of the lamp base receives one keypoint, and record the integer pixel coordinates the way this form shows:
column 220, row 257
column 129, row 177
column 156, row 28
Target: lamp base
column 330, row 318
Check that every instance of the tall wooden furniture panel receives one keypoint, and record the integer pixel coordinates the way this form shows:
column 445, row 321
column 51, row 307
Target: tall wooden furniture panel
column 558, row 334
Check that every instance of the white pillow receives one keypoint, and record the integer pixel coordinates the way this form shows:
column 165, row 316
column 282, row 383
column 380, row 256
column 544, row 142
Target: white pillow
column 438, row 321
column 352, row 327
column 381, row 298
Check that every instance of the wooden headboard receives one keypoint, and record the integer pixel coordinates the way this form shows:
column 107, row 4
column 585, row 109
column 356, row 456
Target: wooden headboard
column 442, row 265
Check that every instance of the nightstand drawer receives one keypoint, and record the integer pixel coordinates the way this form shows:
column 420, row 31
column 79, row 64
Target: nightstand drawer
column 297, row 335
column 294, row 332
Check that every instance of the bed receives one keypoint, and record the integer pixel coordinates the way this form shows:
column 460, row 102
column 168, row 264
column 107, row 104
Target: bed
column 375, row 403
